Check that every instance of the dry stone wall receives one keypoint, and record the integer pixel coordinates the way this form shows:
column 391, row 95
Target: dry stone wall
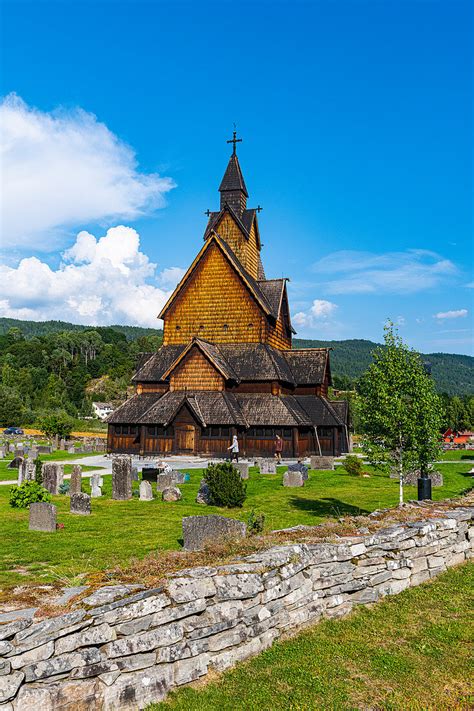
column 124, row 649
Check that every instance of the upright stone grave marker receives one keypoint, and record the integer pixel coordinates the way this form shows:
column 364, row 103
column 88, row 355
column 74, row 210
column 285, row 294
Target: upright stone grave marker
column 134, row 473
column 242, row 468
column 71, row 449
column 15, row 463
column 293, row 479
column 121, row 478
column 299, row 467
column 53, row 476
column 42, row 517
column 317, row 462
column 164, row 481
column 146, row 492
column 75, row 484
column 199, row 530
column 81, row 504
column 268, row 466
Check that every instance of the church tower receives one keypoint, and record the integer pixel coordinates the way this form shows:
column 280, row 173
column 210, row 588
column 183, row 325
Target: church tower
column 227, row 365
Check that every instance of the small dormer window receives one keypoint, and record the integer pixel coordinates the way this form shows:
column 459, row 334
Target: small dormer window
column 250, row 325
column 226, row 327
column 178, row 328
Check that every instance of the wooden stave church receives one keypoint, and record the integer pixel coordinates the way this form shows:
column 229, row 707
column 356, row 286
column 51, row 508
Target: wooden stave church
column 227, row 365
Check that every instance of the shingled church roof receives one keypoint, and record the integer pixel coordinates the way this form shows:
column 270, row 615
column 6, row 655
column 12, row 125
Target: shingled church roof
column 233, row 178
column 224, row 408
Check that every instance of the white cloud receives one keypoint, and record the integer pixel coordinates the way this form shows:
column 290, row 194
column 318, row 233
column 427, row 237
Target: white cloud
column 101, row 281
column 316, row 316
column 394, row 272
column 460, row 313
column 401, row 321
column 63, row 169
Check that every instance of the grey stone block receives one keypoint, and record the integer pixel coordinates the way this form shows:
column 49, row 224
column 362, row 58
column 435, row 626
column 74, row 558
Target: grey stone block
column 242, row 468
column 203, row 495
column 80, row 504
column 146, row 492
column 171, row 493
column 9, row 685
column 323, row 463
column 299, row 467
column 199, row 530
column 42, row 517
column 293, row 479
column 267, row 466
column 75, row 483
column 121, row 478
column 53, row 476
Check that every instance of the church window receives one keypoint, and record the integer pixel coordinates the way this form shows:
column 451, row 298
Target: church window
column 159, row 431
column 178, row 328
column 226, row 327
column 215, row 432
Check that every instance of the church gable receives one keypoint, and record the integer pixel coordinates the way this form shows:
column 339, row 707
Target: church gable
column 196, row 372
column 213, row 303
column 242, row 238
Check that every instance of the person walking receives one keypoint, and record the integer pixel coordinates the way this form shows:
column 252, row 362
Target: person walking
column 278, row 448
column 234, row 449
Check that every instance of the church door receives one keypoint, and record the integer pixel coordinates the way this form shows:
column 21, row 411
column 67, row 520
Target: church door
column 185, row 438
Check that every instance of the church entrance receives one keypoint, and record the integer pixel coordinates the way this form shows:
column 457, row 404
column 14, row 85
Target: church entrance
column 185, row 438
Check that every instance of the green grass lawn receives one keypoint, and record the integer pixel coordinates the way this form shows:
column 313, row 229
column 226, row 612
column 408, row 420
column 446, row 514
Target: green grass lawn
column 457, row 455
column 411, row 651
column 118, row 531
column 11, row 474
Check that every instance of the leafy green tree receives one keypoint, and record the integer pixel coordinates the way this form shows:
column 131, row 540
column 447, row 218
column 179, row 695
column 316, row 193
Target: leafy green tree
column 400, row 412
column 56, row 424
column 457, row 414
column 12, row 410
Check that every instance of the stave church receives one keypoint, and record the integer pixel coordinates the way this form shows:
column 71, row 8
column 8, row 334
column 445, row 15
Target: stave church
column 227, row 365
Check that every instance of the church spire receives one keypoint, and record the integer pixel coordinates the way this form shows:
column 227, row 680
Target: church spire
column 232, row 188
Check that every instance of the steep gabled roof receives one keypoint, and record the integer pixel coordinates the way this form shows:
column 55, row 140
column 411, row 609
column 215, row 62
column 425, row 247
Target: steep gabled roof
column 308, row 365
column 233, row 179
column 211, row 352
column 319, row 410
column 133, row 408
column 152, row 368
column 274, row 290
column 248, row 280
column 244, row 223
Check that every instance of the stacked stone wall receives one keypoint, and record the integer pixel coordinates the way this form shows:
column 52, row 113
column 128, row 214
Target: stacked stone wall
column 132, row 651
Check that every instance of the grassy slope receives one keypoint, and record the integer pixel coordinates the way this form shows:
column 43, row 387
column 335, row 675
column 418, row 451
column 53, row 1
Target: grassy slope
column 411, row 651
column 118, row 531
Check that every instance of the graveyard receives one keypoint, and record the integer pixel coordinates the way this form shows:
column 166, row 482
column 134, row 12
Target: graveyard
column 116, row 533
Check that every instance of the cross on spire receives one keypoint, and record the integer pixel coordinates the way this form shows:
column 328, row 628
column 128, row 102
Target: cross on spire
column 234, row 140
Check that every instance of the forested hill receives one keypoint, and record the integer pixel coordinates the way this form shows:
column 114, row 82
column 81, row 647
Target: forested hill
column 454, row 374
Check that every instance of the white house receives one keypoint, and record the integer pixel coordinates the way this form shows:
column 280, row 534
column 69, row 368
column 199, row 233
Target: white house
column 102, row 409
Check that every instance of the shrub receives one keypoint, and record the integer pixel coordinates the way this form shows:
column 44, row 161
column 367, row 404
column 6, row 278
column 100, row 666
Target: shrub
column 64, row 488
column 255, row 522
column 226, row 487
column 56, row 424
column 27, row 493
column 352, row 465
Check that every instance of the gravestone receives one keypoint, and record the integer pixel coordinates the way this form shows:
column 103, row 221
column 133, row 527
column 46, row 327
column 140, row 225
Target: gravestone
column 121, row 478
column 203, row 496
column 150, row 473
column 164, row 481
column 42, row 517
column 293, row 479
column 134, row 473
column 96, row 491
column 45, row 449
column 172, row 493
column 75, row 483
column 80, row 504
column 53, row 476
column 411, row 478
column 71, row 449
column 268, row 466
column 62, row 444
column 26, row 471
column 299, row 467
column 199, row 530
column 322, row 462
column 15, row 463
column 33, row 454
column 96, row 480
column 2, row 452
column 146, row 492
column 242, row 468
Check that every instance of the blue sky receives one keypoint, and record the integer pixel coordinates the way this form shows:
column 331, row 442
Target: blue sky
column 357, row 125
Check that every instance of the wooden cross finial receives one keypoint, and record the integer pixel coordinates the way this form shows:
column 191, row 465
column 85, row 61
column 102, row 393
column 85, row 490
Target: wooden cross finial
column 259, row 209
column 234, row 140
column 208, row 212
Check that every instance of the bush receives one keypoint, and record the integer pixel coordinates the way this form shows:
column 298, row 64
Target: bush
column 64, row 488
column 27, row 493
column 226, row 487
column 57, row 424
column 255, row 522
column 352, row 465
